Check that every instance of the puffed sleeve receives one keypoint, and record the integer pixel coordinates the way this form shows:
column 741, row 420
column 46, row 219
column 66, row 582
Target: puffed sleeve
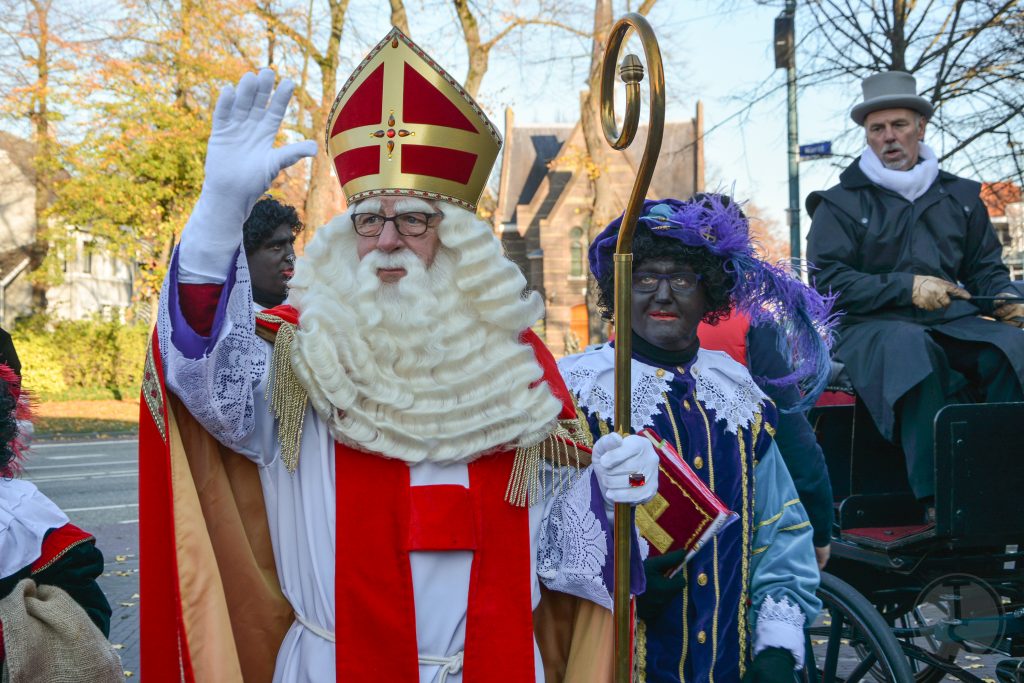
column 784, row 572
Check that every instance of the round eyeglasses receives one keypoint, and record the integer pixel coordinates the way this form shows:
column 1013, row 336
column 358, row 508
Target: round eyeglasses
column 411, row 224
column 646, row 283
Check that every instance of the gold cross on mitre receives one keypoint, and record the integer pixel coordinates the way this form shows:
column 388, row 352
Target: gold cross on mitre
column 398, row 93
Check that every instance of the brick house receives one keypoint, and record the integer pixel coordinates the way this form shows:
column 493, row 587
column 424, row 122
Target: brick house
column 541, row 203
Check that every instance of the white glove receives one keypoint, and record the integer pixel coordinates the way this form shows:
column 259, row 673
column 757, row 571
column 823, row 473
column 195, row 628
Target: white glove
column 615, row 458
column 241, row 163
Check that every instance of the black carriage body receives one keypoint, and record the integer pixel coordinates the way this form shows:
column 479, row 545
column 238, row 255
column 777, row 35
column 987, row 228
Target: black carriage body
column 883, row 548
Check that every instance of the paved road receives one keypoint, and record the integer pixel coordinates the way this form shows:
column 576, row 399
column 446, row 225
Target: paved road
column 96, row 484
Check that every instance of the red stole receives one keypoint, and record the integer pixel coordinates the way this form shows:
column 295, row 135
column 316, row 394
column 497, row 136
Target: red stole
column 380, row 520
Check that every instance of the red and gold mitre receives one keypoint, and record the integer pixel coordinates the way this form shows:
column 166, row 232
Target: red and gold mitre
column 402, row 125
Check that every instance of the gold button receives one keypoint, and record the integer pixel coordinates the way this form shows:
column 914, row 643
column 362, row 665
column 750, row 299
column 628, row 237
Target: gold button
column 681, row 369
column 702, row 637
column 686, row 404
column 660, row 372
column 698, row 462
column 702, row 579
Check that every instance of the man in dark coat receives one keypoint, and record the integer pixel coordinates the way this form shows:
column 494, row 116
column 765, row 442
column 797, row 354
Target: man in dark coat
column 905, row 247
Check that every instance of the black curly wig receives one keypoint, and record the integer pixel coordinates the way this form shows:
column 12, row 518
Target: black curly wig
column 8, row 426
column 267, row 216
column 646, row 245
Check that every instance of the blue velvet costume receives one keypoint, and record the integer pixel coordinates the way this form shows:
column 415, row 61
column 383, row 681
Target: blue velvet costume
column 753, row 586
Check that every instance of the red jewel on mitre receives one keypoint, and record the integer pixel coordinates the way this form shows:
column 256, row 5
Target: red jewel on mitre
column 402, row 125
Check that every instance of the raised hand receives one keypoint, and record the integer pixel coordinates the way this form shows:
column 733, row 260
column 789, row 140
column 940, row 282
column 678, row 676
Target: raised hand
column 241, row 161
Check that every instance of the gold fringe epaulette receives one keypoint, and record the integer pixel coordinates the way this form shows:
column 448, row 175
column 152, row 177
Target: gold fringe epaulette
column 530, row 480
column 286, row 395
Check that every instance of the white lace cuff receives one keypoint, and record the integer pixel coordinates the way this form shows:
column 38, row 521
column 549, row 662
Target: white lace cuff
column 780, row 624
column 572, row 550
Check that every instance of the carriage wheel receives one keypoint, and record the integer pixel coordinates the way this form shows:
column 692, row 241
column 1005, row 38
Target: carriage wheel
column 850, row 640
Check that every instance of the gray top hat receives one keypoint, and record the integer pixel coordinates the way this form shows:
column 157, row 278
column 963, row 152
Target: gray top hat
column 890, row 90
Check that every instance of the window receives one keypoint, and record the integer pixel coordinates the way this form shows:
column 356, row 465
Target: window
column 576, row 252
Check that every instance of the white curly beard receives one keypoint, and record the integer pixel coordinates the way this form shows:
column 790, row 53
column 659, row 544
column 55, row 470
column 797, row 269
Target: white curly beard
column 428, row 368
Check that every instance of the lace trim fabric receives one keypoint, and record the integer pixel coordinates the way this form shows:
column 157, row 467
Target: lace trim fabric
column 591, row 377
column 572, row 549
column 725, row 386
column 218, row 388
column 780, row 624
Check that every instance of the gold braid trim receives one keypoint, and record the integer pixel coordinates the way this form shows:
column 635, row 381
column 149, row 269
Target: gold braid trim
column 528, row 481
column 287, row 396
column 640, row 653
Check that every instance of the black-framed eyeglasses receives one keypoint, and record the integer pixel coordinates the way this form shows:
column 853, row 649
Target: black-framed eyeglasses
column 410, row 224
column 678, row 282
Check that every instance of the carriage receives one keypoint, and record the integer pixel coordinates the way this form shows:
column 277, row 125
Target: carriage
column 907, row 601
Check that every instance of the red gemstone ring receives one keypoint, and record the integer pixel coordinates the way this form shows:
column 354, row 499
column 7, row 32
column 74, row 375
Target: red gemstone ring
column 637, row 479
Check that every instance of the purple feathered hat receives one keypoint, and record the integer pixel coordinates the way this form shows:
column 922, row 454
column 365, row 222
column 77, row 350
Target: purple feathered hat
column 767, row 293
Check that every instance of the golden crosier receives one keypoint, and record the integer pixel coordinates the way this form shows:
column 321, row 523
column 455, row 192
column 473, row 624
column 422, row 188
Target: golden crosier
column 632, row 73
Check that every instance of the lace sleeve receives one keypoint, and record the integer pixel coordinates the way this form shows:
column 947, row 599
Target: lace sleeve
column 214, row 376
column 572, row 551
column 780, row 624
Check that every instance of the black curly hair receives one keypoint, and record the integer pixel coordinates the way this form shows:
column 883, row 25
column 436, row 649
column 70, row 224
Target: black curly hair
column 647, row 245
column 267, row 215
column 8, row 426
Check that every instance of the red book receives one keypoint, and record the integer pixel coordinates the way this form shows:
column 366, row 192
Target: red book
column 685, row 513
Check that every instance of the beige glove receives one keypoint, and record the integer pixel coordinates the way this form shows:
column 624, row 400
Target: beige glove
column 1012, row 314
column 932, row 293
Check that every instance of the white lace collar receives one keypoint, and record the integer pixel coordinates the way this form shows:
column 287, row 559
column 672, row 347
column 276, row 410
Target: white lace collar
column 722, row 384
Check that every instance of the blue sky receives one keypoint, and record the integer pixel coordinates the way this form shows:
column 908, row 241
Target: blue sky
column 717, row 56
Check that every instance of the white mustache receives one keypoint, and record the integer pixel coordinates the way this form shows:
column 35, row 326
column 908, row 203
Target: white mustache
column 893, row 147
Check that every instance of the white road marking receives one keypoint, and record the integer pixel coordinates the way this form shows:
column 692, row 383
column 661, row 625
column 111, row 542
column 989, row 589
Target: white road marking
column 65, row 444
column 77, row 457
column 129, row 521
column 33, row 468
column 82, row 475
column 102, row 507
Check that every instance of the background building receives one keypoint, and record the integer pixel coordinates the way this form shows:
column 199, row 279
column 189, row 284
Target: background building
column 1007, row 213
column 544, row 197
column 92, row 281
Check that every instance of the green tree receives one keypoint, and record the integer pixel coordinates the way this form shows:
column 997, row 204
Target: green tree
column 138, row 169
column 37, row 64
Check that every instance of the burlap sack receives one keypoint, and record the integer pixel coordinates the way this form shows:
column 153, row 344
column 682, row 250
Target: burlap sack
column 50, row 639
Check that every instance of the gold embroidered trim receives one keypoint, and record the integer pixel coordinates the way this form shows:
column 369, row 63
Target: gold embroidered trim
column 63, row 552
column 528, row 480
column 153, row 394
column 758, row 551
column 286, row 395
column 801, row 525
column 748, row 496
column 774, row 518
column 640, row 654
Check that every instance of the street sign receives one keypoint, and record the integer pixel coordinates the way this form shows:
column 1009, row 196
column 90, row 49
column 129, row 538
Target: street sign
column 817, row 150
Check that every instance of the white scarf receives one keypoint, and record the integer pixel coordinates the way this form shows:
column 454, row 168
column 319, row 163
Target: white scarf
column 910, row 184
